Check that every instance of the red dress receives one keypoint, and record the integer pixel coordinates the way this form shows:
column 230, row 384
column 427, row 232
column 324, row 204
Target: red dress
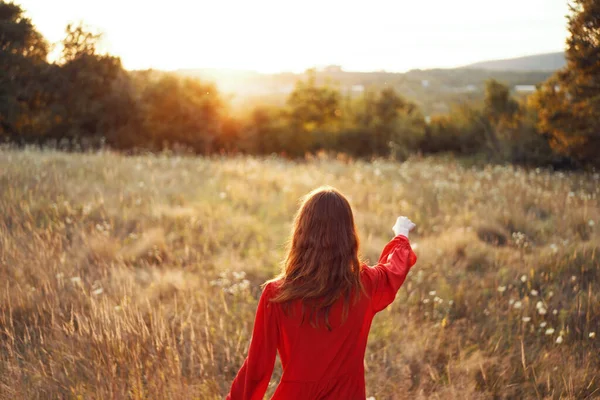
column 318, row 363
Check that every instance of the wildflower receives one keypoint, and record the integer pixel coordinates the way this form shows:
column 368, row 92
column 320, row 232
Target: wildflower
column 239, row 275
column 432, row 293
column 571, row 194
column 534, row 292
column 511, row 302
column 425, row 301
column 59, row 275
column 592, row 335
column 523, row 278
column 501, row 289
column 549, row 331
column 222, row 195
column 573, row 278
column 559, row 340
column 554, row 248
column 98, row 291
column 539, row 305
column 526, row 319
column 371, row 398
column 542, row 311
column 554, row 312
column 118, row 308
column 543, row 324
column 517, row 305
column 591, row 222
column 76, row 279
column 68, row 220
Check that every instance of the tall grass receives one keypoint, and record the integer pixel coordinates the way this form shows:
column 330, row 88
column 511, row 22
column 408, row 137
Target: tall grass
column 138, row 277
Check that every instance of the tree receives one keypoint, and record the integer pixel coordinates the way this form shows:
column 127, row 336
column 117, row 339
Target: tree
column 313, row 113
column 93, row 95
column 180, row 111
column 569, row 102
column 23, row 53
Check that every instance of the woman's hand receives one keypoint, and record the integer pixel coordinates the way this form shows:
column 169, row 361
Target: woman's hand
column 402, row 226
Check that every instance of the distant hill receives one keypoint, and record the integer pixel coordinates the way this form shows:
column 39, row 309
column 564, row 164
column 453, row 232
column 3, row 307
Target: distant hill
column 434, row 90
column 538, row 62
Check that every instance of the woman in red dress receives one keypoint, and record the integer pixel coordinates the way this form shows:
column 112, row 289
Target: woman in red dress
column 317, row 313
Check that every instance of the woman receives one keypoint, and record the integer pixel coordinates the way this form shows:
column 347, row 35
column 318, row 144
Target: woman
column 317, row 313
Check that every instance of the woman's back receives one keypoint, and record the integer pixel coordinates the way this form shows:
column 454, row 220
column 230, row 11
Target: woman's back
column 320, row 363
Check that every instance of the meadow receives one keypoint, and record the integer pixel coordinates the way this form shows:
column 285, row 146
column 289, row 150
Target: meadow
column 138, row 277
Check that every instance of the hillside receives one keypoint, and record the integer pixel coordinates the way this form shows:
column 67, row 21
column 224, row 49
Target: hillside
column 138, row 277
column 435, row 91
column 538, row 62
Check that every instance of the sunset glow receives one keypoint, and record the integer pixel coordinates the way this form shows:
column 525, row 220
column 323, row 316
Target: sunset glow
column 270, row 35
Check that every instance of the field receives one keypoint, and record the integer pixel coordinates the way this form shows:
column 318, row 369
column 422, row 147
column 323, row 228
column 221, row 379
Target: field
column 138, row 277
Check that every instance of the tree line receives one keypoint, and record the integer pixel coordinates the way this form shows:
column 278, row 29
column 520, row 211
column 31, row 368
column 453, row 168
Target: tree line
column 87, row 100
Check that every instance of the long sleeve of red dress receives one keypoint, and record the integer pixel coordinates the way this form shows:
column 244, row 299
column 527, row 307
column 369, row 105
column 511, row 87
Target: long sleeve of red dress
column 390, row 272
column 320, row 363
column 253, row 378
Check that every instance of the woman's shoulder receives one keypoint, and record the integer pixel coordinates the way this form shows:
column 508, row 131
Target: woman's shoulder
column 271, row 288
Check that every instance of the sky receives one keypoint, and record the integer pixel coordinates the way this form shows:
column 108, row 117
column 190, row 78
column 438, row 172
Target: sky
column 293, row 35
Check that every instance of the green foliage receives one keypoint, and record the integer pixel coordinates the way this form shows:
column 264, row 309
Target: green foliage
column 569, row 102
column 22, row 54
column 179, row 111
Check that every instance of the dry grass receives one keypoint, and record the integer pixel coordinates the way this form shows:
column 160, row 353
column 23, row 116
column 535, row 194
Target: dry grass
column 137, row 277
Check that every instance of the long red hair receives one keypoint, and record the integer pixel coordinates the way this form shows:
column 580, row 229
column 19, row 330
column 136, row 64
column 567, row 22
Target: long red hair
column 322, row 263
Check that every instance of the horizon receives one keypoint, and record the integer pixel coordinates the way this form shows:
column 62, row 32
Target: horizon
column 266, row 37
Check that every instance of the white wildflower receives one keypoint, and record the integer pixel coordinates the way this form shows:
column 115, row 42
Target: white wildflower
column 543, row 324
column 534, row 292
column 559, row 340
column 76, row 279
column 425, row 301
column 591, row 222
column 97, row 291
column 432, row 293
column 573, row 278
column 526, row 319
column 549, row 331
column 517, row 305
column 501, row 289
column 511, row 302
column 542, row 311
column 592, row 335
column 60, row 275
column 539, row 305
column 523, row 278
column 222, row 195
column 555, row 311
column 118, row 308
column 554, row 248
column 239, row 275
